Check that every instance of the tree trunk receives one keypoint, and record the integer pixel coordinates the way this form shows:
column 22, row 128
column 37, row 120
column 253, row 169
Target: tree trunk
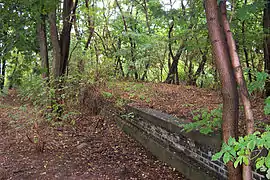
column 246, row 51
column 229, row 90
column 191, row 80
column 41, row 29
column 61, row 46
column 145, row 72
column 68, row 17
column 91, row 27
column 172, row 77
column 238, row 73
column 3, row 74
column 131, row 41
column 266, row 26
column 61, row 49
column 200, row 69
column 56, row 63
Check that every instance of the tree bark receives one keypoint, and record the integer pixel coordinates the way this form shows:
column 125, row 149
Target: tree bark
column 266, row 26
column 60, row 48
column 41, row 29
column 56, row 63
column 61, row 45
column 91, row 27
column 172, row 77
column 228, row 84
column 246, row 51
column 67, row 17
column 3, row 74
column 200, row 68
column 238, row 73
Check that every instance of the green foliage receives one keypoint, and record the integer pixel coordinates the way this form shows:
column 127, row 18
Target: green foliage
column 130, row 115
column 107, row 94
column 259, row 83
column 42, row 95
column 240, row 151
column 267, row 106
column 36, row 90
column 205, row 121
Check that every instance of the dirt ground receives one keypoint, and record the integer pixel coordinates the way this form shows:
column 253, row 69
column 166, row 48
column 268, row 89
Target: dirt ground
column 94, row 148
column 181, row 100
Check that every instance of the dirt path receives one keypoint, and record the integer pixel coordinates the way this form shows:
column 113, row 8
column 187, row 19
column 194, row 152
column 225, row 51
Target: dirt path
column 93, row 148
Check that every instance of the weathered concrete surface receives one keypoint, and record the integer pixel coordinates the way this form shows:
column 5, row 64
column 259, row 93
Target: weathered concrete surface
column 184, row 164
column 173, row 124
column 163, row 135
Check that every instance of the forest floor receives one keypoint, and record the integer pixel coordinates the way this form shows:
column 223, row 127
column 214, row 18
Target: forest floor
column 94, row 148
column 178, row 100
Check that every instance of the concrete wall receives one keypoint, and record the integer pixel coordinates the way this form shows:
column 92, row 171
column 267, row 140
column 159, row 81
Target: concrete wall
column 190, row 153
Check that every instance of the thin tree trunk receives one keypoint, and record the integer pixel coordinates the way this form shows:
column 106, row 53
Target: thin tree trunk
column 200, row 68
column 41, row 28
column 246, row 51
column 3, row 74
column 118, row 59
column 131, row 41
column 229, row 90
column 145, row 72
column 266, row 26
column 97, row 60
column 172, row 76
column 238, row 73
column 91, row 27
column 190, row 71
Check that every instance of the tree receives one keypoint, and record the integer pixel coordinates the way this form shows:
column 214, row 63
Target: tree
column 228, row 83
column 238, row 73
column 61, row 44
column 266, row 26
column 42, row 37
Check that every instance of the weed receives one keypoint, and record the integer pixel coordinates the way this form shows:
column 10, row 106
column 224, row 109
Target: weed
column 205, row 121
column 107, row 94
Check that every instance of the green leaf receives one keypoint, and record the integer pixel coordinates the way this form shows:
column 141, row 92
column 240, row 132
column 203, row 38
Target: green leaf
column 231, row 141
column 259, row 162
column 226, row 157
column 217, row 156
column 268, row 174
column 267, row 106
column 263, row 169
column 241, row 140
column 267, row 160
column 245, row 160
column 239, row 160
column 233, row 153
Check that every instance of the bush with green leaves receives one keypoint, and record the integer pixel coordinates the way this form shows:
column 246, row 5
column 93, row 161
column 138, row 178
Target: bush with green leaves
column 205, row 121
column 259, row 83
column 239, row 151
column 36, row 90
column 267, row 106
column 44, row 97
